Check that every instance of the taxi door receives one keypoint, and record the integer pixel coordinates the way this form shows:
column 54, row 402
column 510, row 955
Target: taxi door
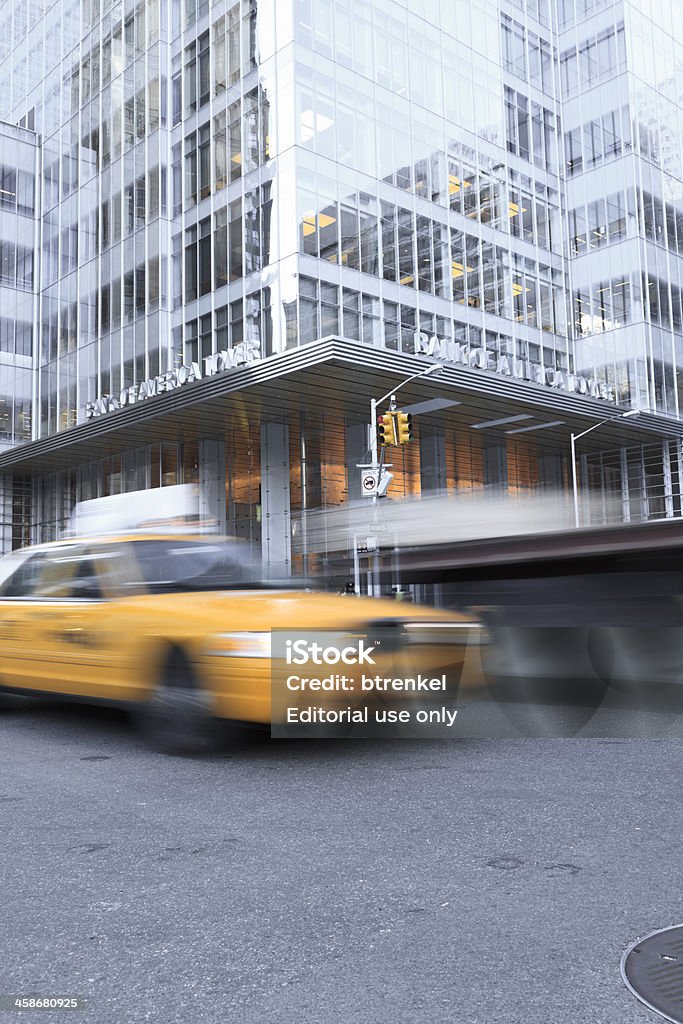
column 20, row 654
column 93, row 649
column 40, row 609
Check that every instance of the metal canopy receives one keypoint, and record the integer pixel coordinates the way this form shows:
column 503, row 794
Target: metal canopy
column 334, row 373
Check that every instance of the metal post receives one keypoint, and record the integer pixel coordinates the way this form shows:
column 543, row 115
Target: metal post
column 374, row 457
column 373, row 431
column 575, row 483
column 373, row 561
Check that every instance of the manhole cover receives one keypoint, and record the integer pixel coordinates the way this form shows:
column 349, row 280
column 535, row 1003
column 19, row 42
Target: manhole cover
column 653, row 970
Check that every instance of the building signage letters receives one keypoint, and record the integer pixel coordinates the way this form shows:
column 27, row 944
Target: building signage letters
column 245, row 354
column 508, row 366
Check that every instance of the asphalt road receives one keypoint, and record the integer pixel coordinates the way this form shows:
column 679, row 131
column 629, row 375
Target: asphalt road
column 492, row 881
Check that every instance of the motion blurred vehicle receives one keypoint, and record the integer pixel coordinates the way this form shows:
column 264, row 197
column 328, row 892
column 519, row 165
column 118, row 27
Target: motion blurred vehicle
column 600, row 606
column 178, row 627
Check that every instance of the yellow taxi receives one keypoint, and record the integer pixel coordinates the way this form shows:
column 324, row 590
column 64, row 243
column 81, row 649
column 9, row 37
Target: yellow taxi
column 180, row 627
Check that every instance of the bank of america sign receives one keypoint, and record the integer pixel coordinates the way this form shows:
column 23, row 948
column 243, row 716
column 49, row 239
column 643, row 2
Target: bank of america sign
column 507, row 366
column 244, row 354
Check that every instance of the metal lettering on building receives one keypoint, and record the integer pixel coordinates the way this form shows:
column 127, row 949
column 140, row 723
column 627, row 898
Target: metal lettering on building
column 509, row 366
column 244, row 354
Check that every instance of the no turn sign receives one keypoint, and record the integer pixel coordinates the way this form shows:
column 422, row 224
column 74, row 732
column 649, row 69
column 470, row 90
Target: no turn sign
column 368, row 483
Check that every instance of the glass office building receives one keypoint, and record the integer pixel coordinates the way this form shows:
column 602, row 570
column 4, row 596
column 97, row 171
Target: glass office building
column 18, row 237
column 254, row 216
column 622, row 84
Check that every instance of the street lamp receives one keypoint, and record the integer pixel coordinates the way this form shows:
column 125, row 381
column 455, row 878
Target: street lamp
column 376, row 402
column 577, row 437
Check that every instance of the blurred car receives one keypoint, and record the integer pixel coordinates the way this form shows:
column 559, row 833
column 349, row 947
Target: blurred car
column 179, row 628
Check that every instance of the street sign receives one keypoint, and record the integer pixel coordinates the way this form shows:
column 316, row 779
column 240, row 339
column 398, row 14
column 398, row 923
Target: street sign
column 368, row 483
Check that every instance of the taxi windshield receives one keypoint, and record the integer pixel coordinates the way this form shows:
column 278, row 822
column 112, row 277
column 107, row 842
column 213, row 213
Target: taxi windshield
column 196, row 565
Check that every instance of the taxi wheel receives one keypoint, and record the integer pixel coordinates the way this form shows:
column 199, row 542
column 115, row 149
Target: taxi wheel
column 177, row 717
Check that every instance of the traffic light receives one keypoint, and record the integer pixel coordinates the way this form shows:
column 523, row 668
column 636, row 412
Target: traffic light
column 386, row 430
column 404, row 427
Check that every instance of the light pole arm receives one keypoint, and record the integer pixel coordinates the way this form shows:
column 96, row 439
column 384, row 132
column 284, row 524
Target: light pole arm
column 376, row 402
column 576, row 437
column 422, row 373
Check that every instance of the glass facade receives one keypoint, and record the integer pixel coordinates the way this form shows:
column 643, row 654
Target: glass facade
column 18, row 279
column 621, row 68
column 503, row 175
column 279, row 172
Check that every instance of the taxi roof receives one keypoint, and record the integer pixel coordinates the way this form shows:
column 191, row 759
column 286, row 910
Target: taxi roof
column 172, row 536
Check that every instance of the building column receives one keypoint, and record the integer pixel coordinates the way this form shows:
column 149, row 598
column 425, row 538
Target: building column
column 432, row 463
column 275, row 502
column 625, row 491
column 212, row 510
column 357, row 451
column 5, row 514
column 585, row 517
column 550, row 472
column 495, row 464
column 668, row 481
column 636, row 486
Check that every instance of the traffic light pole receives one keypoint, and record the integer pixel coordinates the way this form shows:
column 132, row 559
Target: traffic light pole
column 373, row 441
column 375, row 403
column 373, row 588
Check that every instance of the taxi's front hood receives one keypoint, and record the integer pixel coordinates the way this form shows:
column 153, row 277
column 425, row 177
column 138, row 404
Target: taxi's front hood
column 266, row 609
